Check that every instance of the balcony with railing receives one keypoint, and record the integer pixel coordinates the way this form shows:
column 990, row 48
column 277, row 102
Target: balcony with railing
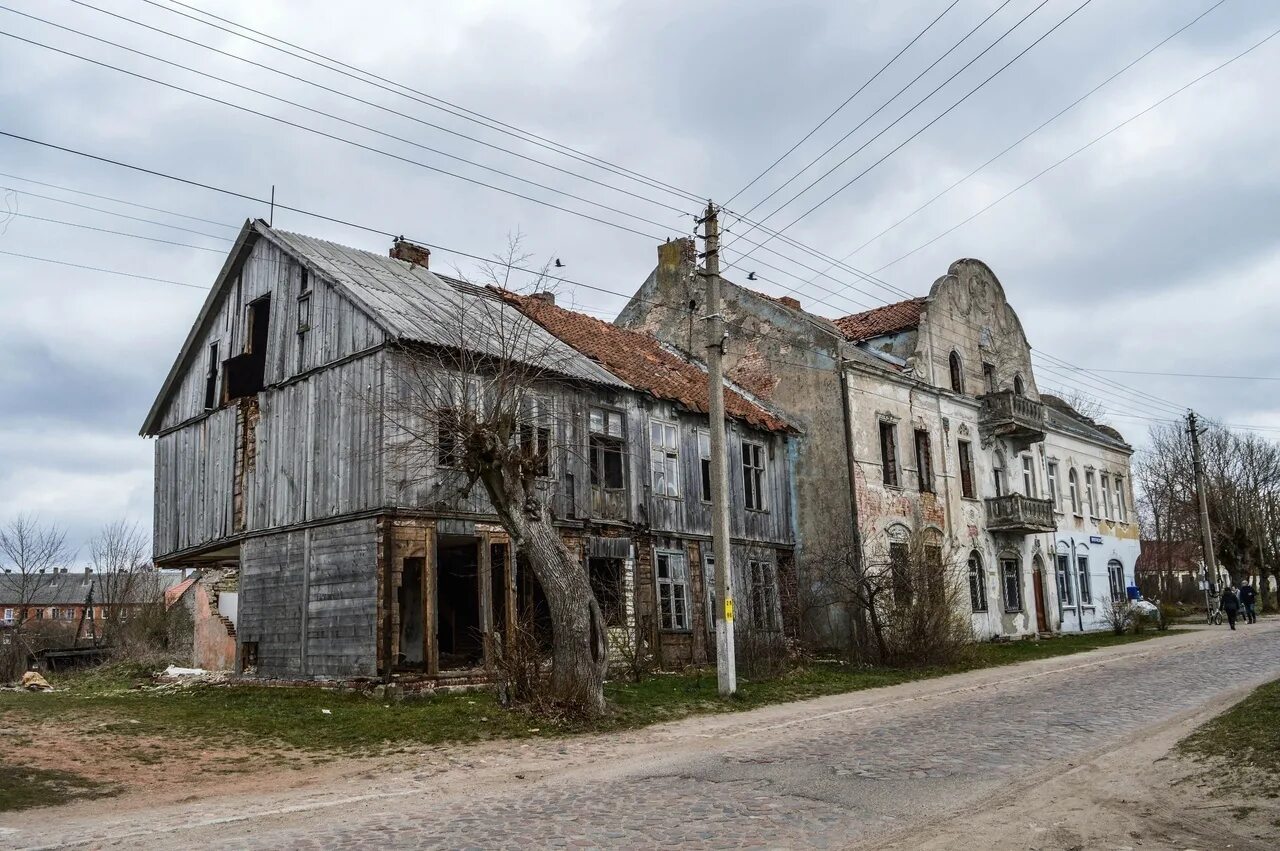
column 1012, row 416
column 1020, row 515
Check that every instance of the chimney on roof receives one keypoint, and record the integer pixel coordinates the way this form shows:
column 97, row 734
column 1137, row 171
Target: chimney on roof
column 546, row 296
column 677, row 252
column 791, row 302
column 88, row 571
column 402, row 249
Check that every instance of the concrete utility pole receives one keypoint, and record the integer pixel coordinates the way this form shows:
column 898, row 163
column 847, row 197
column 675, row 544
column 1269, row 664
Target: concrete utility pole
column 726, row 670
column 1211, row 564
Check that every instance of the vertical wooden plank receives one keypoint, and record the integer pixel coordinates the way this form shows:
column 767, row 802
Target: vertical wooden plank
column 509, row 588
column 484, row 577
column 430, row 609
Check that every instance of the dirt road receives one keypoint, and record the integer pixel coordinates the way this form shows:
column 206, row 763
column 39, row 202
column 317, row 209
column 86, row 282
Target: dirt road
column 1054, row 754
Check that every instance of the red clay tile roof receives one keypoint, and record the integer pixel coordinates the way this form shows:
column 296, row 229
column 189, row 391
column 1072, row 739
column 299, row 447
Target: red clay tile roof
column 640, row 360
column 889, row 319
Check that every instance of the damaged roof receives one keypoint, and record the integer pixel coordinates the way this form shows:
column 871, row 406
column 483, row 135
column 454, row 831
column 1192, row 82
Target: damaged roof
column 890, row 319
column 1060, row 415
column 641, row 361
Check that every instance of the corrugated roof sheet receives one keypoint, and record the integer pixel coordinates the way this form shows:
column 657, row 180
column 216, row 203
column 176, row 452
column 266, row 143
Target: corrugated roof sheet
column 879, row 321
column 417, row 305
column 641, row 361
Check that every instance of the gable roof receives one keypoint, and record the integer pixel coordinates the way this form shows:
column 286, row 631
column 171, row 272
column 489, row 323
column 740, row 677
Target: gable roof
column 641, row 361
column 409, row 303
column 889, row 319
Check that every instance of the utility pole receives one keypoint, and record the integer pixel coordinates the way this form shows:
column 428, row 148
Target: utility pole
column 726, row 670
column 1210, row 563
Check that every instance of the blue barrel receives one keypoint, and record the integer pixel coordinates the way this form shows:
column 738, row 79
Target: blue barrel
column 1134, row 593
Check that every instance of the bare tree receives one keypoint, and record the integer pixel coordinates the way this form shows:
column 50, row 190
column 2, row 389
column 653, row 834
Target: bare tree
column 484, row 409
column 118, row 554
column 1087, row 406
column 30, row 553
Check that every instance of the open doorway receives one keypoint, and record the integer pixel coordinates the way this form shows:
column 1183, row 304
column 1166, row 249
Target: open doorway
column 411, row 614
column 459, row 629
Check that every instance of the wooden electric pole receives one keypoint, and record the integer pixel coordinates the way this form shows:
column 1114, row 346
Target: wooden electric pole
column 1210, row 563
column 726, row 670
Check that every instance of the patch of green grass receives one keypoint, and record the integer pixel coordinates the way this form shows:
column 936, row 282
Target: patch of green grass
column 23, row 787
column 323, row 720
column 1245, row 739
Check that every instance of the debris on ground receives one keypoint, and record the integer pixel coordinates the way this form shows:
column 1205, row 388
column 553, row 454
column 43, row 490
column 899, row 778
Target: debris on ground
column 175, row 671
column 32, row 681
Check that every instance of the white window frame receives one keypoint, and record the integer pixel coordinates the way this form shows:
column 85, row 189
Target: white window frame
column 1084, row 581
column 1029, row 476
column 1073, row 486
column 1116, row 568
column 1066, row 589
column 664, row 458
column 1104, row 481
column 1121, row 511
column 673, row 590
column 1051, row 477
column 8, row 615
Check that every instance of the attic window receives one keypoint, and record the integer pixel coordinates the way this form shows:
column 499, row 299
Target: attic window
column 304, row 324
column 211, row 379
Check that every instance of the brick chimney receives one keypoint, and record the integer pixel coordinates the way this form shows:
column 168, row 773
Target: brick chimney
column 677, row 252
column 545, row 296
column 402, row 249
column 789, row 301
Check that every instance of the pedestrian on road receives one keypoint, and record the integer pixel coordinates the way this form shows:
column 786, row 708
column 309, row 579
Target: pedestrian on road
column 1230, row 605
column 1248, row 601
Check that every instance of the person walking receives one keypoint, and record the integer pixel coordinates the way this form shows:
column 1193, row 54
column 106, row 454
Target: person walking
column 1230, row 605
column 1248, row 602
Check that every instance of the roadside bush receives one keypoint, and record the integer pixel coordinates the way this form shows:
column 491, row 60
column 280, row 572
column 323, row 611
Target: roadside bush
column 1168, row 613
column 1118, row 614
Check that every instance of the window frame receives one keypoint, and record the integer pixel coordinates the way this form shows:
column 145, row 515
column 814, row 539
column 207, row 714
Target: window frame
column 212, row 368
column 664, row 459
column 964, row 454
column 304, row 324
column 704, row 465
column 1091, row 493
column 1116, row 567
column 755, row 465
column 900, row 573
column 1122, row 512
column 1051, row 481
column 977, row 583
column 956, row 365
column 676, row 585
column 890, row 474
column 1083, row 581
column 601, row 445
column 1016, row 575
column 1073, row 487
column 924, row 461
column 1029, row 475
column 449, row 450
column 1104, row 482
column 1066, row 590
column 764, row 604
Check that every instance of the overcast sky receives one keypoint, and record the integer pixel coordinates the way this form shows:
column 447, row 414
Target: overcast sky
column 1152, row 250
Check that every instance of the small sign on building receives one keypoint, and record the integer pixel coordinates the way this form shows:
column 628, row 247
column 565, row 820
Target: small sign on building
column 1095, row 539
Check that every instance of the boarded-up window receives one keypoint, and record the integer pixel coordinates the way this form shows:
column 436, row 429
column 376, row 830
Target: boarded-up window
column 924, row 461
column 753, row 459
column 966, row 469
column 889, row 453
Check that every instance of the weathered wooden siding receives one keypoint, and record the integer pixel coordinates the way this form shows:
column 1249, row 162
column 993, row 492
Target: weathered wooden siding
column 193, row 483
column 308, row 598
column 338, row 327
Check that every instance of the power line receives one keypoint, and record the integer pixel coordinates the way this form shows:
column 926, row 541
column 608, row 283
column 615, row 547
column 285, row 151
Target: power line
column 1040, row 127
column 24, row 192
column 102, row 270
column 360, row 145
column 935, row 120
column 109, row 198
column 845, row 103
column 113, row 232
column 1083, row 148
column 1191, row 375
column 331, row 90
column 886, row 104
column 421, row 97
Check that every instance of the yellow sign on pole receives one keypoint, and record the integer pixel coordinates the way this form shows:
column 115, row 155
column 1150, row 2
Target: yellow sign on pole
column 728, row 610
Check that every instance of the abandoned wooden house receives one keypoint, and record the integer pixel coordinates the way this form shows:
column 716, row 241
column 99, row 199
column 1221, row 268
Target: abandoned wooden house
column 277, row 462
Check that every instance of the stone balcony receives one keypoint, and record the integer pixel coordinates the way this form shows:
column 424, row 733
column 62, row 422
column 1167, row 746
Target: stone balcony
column 1013, row 417
column 1020, row 515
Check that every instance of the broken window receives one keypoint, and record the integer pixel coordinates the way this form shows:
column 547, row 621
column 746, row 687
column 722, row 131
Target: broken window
column 1115, row 578
column 672, row 576
column 606, row 583
column 900, row 572
column 764, row 595
column 211, row 379
column 246, row 372
column 704, row 465
column 1086, row 593
column 957, row 373
column 607, row 449
column 304, row 323
column 535, row 445
column 664, row 458
column 1066, row 590
column 1012, row 579
column 1018, row 386
column 924, row 461
column 449, row 439
column 966, row 469
column 977, row 583
column 753, row 455
column 889, row 453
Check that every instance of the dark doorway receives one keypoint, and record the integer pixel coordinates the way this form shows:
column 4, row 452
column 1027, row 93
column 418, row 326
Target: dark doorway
column 411, row 614
column 606, row 584
column 498, row 588
column 459, row 632
column 1042, row 616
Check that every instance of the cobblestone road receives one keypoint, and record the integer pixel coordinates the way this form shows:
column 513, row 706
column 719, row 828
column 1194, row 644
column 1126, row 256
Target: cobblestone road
column 823, row 774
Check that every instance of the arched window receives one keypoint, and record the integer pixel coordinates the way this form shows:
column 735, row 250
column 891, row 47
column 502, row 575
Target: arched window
column 1073, row 487
column 1115, row 577
column 977, row 583
column 900, row 563
column 957, row 372
column 1017, row 385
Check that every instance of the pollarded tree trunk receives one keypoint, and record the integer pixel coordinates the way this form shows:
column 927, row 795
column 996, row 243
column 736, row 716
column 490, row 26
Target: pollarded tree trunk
column 579, row 656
